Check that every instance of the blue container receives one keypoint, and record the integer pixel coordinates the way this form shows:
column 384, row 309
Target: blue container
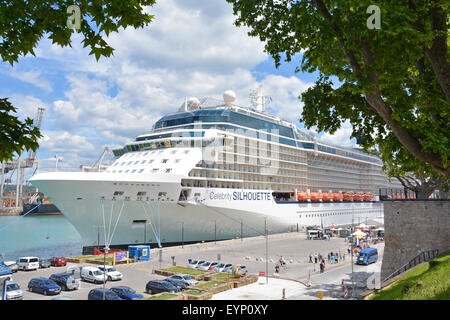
column 140, row 253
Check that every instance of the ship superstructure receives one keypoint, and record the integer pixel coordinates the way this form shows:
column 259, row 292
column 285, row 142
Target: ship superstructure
column 217, row 170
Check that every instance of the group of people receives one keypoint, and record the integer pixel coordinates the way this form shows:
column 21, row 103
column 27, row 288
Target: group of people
column 333, row 258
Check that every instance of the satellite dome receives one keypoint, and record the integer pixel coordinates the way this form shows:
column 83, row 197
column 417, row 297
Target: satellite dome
column 229, row 96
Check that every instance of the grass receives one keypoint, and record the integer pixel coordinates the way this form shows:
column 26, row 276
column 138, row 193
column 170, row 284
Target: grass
column 164, row 296
column 185, row 270
column 225, row 276
column 83, row 257
column 194, row 292
column 430, row 281
column 209, row 284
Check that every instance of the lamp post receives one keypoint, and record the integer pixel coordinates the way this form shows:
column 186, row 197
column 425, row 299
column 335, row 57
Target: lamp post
column 105, row 251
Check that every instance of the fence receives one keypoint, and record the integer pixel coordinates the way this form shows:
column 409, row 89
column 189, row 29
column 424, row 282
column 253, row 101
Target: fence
column 421, row 257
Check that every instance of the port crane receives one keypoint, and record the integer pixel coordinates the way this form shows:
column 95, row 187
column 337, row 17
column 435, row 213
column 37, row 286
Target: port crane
column 18, row 165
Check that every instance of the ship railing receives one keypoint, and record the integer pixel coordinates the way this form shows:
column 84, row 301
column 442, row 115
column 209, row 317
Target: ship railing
column 62, row 169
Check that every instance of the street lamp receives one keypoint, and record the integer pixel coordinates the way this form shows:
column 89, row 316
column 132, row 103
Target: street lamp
column 105, row 251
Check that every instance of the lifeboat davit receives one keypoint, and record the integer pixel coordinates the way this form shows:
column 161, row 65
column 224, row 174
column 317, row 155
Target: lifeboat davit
column 359, row 196
column 316, row 196
column 348, row 196
column 327, row 196
column 338, row 196
column 303, row 196
column 368, row 196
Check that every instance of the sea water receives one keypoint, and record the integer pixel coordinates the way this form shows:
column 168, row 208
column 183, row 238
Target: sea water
column 39, row 236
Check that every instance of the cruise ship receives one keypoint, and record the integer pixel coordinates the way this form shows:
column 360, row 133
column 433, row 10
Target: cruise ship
column 214, row 170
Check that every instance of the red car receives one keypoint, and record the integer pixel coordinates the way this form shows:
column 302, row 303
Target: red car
column 58, row 261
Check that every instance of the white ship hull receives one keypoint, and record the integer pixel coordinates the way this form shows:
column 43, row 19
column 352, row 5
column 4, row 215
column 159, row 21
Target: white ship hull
column 215, row 213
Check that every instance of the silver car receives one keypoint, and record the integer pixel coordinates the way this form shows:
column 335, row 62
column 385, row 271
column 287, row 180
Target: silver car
column 222, row 266
column 12, row 265
column 184, row 278
column 242, row 270
column 13, row 291
column 195, row 263
column 65, row 281
column 208, row 265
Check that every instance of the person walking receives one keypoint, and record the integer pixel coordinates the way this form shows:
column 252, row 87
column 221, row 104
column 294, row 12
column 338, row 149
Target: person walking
column 332, row 258
column 315, row 258
column 329, row 257
column 310, row 257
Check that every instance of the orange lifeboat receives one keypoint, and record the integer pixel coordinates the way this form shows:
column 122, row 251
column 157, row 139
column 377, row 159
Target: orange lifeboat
column 348, row 196
column 359, row 196
column 338, row 196
column 303, row 196
column 368, row 196
column 316, row 196
column 327, row 196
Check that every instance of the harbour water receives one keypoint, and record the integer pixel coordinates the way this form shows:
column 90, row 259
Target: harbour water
column 40, row 236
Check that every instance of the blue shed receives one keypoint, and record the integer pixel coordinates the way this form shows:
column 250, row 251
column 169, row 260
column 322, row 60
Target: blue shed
column 140, row 253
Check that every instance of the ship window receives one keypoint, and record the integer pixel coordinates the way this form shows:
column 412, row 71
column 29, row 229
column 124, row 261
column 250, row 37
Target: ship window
column 122, row 163
column 168, row 170
column 133, row 171
column 130, row 162
column 144, row 161
column 141, row 170
column 164, row 160
column 150, row 161
column 120, row 171
column 162, row 194
column 141, row 193
column 126, row 171
column 118, row 193
column 177, row 160
column 136, row 162
column 155, row 170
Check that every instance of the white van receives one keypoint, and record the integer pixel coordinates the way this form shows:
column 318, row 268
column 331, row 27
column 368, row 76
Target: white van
column 28, row 263
column 92, row 274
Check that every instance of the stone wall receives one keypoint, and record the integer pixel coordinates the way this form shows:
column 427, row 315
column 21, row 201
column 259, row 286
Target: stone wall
column 412, row 227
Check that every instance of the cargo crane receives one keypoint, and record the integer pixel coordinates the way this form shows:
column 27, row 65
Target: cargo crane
column 18, row 164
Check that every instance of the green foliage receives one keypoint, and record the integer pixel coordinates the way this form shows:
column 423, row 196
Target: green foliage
column 429, row 281
column 390, row 89
column 14, row 134
column 24, row 23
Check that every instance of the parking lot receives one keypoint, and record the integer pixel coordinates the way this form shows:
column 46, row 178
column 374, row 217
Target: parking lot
column 294, row 247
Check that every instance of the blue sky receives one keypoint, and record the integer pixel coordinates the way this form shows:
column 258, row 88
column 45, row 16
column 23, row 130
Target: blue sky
column 191, row 49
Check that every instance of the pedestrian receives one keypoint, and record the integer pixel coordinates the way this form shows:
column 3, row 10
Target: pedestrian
column 332, row 258
column 315, row 258
column 340, row 256
column 329, row 257
column 310, row 257
column 322, row 267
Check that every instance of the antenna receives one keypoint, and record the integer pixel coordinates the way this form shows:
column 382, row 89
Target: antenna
column 258, row 99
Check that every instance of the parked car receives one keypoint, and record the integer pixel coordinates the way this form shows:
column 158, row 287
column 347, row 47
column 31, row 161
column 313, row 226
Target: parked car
column 97, row 294
column 208, row 265
column 75, row 271
column 65, row 281
column 111, row 273
column 242, row 270
column 28, row 263
column 185, row 278
column 13, row 291
column 221, row 266
column 58, row 261
column 195, row 263
column 127, row 293
column 177, row 283
column 43, row 285
column 157, row 286
column 12, row 265
column 92, row 274
column 44, row 263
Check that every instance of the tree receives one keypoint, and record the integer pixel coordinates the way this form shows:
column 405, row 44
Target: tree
column 394, row 81
column 24, row 23
column 15, row 134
